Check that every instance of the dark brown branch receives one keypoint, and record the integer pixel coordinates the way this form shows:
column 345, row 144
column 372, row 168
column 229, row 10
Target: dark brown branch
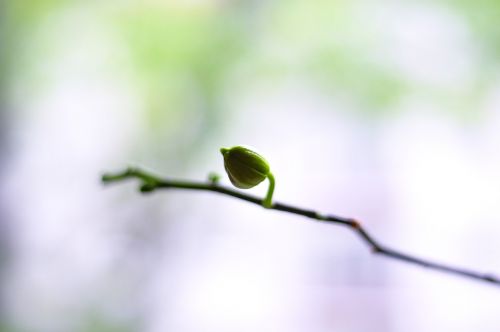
column 150, row 182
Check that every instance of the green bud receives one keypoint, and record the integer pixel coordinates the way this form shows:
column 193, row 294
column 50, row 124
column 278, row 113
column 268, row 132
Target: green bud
column 245, row 168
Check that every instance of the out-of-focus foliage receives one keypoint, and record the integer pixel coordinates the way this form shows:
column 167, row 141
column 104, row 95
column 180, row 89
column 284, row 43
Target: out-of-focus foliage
column 331, row 43
column 482, row 16
column 180, row 55
column 183, row 56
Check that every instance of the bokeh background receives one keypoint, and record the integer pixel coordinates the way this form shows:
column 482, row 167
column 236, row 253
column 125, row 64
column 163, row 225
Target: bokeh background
column 386, row 111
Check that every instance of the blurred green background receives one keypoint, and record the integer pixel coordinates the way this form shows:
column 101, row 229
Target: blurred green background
column 387, row 111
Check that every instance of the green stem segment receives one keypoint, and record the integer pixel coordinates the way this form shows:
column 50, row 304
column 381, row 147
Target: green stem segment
column 267, row 202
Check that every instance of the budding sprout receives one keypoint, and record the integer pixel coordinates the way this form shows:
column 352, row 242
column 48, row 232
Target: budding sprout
column 246, row 169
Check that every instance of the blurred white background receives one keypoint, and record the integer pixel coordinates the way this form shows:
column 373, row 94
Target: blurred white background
column 387, row 112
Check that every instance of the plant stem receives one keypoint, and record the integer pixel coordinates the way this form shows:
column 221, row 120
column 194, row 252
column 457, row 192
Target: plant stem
column 152, row 182
column 267, row 203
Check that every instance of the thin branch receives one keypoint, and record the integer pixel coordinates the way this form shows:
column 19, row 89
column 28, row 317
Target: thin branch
column 150, row 183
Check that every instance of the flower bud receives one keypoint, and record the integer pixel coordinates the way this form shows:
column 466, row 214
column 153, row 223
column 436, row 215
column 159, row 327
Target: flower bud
column 245, row 168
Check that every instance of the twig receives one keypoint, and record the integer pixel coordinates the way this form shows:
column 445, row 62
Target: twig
column 150, row 182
